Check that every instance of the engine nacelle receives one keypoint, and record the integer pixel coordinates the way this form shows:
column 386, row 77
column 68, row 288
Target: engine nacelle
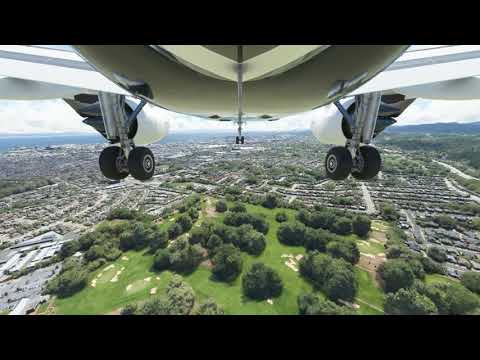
column 151, row 125
column 329, row 127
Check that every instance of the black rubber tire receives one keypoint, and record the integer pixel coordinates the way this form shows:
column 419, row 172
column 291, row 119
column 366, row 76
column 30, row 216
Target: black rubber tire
column 372, row 163
column 108, row 163
column 338, row 163
column 242, row 140
column 141, row 163
column 237, row 140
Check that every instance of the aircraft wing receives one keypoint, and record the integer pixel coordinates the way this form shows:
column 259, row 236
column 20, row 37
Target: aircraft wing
column 22, row 66
column 52, row 66
column 426, row 64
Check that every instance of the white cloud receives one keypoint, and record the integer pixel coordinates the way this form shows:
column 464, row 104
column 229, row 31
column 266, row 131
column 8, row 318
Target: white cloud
column 52, row 116
column 431, row 111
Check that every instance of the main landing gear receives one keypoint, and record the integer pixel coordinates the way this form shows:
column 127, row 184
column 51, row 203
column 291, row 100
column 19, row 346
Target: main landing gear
column 124, row 158
column 362, row 161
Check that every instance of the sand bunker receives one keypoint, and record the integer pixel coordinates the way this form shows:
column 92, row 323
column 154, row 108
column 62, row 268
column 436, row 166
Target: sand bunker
column 94, row 283
column 367, row 255
column 292, row 261
column 270, row 301
column 124, row 258
column 147, row 279
column 158, row 278
column 153, row 291
column 129, row 286
column 115, row 278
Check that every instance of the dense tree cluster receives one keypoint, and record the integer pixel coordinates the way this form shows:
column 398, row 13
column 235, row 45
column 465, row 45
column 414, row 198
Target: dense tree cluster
column 261, row 282
column 409, row 302
column 179, row 299
column 445, row 221
column 210, row 307
column 338, row 222
column 471, row 280
column 437, row 253
column 312, row 304
column 297, row 234
column 181, row 257
column 12, row 186
column 388, row 212
column 242, row 218
column 335, row 277
column 72, row 278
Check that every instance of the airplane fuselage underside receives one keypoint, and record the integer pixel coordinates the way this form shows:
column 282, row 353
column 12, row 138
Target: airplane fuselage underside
column 203, row 83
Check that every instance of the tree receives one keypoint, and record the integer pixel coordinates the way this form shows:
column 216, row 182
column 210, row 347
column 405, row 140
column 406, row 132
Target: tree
column 335, row 277
column 185, row 222
column 69, row 248
column 271, row 201
column 184, row 258
column 445, row 222
column 361, row 225
column 221, row 206
column 210, row 307
column 388, row 212
column 199, row 235
column 312, row 304
column 213, row 243
column 68, row 282
column 162, row 260
column 341, row 282
column 342, row 226
column 437, row 253
column 409, row 302
column 227, row 263
column 471, row 280
column 281, row 217
column 129, row 309
column 238, row 207
column 317, row 239
column 158, row 239
column 291, row 233
column 179, row 300
column 261, row 282
column 174, row 231
column 450, row 298
column 345, row 249
column 396, row 274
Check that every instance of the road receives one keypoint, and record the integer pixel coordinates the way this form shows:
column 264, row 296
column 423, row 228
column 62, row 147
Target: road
column 417, row 230
column 456, row 171
column 452, row 185
column 368, row 200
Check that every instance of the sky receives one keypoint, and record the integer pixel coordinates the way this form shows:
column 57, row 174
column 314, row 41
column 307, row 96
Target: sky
column 55, row 116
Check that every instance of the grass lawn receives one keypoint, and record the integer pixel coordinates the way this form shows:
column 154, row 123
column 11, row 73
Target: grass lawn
column 437, row 278
column 107, row 296
column 370, row 297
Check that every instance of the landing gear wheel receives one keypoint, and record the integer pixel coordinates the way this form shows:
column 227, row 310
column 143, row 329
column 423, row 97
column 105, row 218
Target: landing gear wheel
column 338, row 163
column 110, row 163
column 242, row 140
column 372, row 162
column 141, row 163
column 237, row 140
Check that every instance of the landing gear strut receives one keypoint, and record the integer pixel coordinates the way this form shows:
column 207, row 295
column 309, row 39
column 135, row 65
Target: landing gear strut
column 123, row 158
column 240, row 139
column 357, row 157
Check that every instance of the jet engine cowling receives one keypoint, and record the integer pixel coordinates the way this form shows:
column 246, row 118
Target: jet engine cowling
column 332, row 128
column 150, row 125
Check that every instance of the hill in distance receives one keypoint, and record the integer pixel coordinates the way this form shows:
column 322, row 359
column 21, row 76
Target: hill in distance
column 437, row 128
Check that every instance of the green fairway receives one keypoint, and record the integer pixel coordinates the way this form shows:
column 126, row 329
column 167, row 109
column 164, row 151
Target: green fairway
column 136, row 279
column 370, row 297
